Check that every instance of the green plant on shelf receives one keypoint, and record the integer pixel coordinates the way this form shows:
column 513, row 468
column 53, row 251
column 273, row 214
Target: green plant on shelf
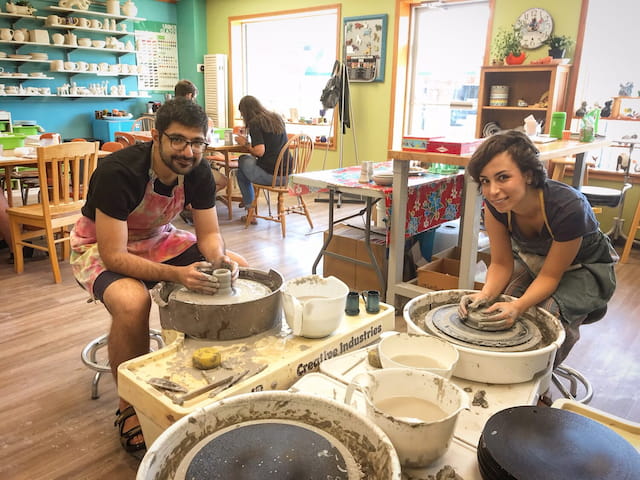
column 505, row 42
column 561, row 42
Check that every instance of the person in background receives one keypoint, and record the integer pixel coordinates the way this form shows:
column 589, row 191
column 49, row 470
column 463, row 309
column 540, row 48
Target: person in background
column 187, row 89
column 268, row 136
column 563, row 262
column 125, row 243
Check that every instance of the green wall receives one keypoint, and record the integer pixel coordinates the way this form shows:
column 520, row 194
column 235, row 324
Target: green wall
column 370, row 102
column 565, row 14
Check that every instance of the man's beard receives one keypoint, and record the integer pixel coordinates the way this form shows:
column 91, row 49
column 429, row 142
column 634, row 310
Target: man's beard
column 179, row 164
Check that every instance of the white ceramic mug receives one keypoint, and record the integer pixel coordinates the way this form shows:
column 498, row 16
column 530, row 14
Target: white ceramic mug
column 6, row 34
column 84, row 22
column 71, row 66
column 53, row 20
column 18, row 36
column 104, row 67
column 56, row 65
column 93, row 67
column 83, row 66
column 84, row 42
column 95, row 23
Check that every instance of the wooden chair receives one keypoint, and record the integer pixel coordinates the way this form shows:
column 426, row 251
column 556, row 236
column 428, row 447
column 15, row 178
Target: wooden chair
column 299, row 149
column 112, row 146
column 144, row 123
column 633, row 230
column 126, row 139
column 65, row 169
column 558, row 166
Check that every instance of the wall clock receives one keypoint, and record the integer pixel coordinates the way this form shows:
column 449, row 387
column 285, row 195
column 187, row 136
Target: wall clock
column 535, row 26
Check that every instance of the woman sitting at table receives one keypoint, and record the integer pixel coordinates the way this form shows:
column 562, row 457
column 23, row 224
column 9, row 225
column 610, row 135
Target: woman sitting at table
column 563, row 262
column 268, row 136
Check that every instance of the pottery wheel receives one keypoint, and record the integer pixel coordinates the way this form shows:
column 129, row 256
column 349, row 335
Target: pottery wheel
column 243, row 291
column 445, row 322
column 268, row 449
column 530, row 443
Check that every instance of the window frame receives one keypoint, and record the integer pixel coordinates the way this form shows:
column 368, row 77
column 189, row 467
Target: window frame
column 236, row 71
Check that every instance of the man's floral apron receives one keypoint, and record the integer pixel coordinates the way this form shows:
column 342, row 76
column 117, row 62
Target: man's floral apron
column 151, row 234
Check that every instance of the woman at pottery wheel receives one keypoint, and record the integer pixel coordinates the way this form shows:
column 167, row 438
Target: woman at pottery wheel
column 563, row 262
column 125, row 243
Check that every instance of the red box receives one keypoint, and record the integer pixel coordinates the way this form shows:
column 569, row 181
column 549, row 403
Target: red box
column 416, row 144
column 457, row 147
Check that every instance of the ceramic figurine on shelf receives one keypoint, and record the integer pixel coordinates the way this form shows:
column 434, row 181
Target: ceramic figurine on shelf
column 626, row 89
column 129, row 8
column 582, row 110
column 606, row 111
column 79, row 4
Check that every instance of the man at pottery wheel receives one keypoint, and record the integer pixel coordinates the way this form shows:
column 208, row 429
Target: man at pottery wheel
column 563, row 262
column 125, row 243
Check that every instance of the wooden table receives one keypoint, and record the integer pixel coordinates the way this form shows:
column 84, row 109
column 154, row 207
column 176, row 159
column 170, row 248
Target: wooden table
column 471, row 203
column 226, row 150
column 441, row 191
column 9, row 161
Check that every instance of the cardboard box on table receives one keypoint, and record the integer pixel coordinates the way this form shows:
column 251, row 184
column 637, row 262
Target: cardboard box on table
column 442, row 273
column 349, row 241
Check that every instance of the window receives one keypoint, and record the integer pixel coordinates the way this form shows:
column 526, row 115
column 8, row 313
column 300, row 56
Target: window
column 285, row 60
column 447, row 51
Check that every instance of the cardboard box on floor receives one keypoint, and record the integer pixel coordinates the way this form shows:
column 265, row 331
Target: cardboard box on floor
column 443, row 272
column 349, row 241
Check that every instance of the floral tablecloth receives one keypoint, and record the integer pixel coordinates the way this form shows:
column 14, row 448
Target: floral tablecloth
column 432, row 198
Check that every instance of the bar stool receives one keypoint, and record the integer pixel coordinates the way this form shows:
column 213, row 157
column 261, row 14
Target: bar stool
column 89, row 357
column 577, row 382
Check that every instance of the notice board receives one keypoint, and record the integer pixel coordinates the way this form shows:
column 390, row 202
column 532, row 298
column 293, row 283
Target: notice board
column 157, row 52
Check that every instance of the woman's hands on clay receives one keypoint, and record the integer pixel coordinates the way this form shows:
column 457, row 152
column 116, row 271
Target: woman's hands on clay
column 500, row 316
column 471, row 301
column 198, row 277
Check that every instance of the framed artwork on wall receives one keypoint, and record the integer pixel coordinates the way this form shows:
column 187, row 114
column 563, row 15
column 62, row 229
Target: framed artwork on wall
column 365, row 42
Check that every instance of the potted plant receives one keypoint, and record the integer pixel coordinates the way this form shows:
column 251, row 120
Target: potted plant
column 507, row 46
column 558, row 45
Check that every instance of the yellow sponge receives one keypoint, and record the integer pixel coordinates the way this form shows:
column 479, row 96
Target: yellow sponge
column 206, row 358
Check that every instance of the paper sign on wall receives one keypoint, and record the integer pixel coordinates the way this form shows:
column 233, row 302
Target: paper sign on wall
column 157, row 47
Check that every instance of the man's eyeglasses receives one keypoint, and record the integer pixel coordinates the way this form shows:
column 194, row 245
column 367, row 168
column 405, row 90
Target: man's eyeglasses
column 179, row 143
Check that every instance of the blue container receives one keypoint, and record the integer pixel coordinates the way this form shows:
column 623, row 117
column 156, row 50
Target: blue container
column 105, row 129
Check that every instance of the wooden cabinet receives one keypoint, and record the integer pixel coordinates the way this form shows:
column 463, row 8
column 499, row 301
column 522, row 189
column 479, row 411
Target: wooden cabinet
column 542, row 87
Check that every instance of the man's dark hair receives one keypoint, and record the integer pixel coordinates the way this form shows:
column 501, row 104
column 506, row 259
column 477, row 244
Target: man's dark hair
column 184, row 112
column 521, row 149
column 184, row 88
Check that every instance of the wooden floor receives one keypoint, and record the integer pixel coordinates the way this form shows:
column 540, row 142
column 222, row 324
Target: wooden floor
column 51, row 429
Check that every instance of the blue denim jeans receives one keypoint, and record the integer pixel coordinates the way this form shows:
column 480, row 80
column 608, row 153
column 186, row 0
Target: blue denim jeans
column 250, row 172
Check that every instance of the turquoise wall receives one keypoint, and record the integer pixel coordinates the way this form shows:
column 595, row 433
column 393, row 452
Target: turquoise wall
column 72, row 118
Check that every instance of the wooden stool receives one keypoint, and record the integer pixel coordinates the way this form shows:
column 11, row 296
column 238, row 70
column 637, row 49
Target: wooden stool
column 559, row 165
column 633, row 229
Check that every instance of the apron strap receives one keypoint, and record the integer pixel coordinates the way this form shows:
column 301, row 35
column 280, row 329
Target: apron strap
column 544, row 215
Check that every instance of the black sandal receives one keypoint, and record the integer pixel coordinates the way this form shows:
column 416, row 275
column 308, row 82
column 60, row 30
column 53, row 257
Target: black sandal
column 129, row 435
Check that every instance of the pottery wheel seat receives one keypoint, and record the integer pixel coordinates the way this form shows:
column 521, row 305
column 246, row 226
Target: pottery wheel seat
column 445, row 322
column 267, row 449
